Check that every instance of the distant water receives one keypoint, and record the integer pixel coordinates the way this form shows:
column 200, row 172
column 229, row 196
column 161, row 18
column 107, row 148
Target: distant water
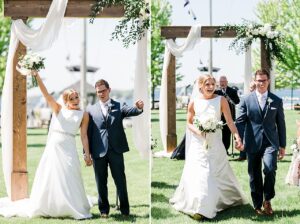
column 285, row 94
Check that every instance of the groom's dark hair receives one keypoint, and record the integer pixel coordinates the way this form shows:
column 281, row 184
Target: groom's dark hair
column 102, row 82
column 262, row 72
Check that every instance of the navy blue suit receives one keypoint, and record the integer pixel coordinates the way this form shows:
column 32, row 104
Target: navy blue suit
column 107, row 141
column 263, row 132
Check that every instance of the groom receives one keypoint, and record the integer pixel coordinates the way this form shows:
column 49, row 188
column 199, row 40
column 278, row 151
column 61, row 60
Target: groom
column 262, row 126
column 107, row 141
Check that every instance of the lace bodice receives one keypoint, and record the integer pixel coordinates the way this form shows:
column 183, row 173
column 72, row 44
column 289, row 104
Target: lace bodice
column 67, row 121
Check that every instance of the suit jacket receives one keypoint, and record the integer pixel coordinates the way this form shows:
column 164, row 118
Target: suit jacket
column 234, row 99
column 253, row 123
column 108, row 132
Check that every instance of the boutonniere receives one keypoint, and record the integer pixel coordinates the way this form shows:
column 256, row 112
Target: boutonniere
column 269, row 100
column 110, row 105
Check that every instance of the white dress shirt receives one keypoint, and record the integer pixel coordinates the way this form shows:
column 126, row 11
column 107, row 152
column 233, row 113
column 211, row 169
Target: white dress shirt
column 262, row 98
column 104, row 107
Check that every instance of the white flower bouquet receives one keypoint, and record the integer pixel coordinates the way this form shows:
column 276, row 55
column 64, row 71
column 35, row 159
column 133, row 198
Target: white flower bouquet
column 207, row 124
column 30, row 62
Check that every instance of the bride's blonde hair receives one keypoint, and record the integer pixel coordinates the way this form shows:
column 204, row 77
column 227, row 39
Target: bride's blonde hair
column 67, row 93
column 203, row 78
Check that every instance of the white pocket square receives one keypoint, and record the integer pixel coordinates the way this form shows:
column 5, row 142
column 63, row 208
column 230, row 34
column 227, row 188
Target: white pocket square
column 273, row 108
column 114, row 110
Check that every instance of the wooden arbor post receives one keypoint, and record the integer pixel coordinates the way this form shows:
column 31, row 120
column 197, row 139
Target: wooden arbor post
column 173, row 32
column 20, row 9
column 19, row 178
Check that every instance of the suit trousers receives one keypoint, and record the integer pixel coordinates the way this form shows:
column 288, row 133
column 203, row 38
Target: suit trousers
column 262, row 189
column 116, row 163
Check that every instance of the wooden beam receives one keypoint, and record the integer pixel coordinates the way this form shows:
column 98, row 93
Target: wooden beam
column 19, row 178
column 265, row 62
column 40, row 8
column 171, row 32
column 171, row 105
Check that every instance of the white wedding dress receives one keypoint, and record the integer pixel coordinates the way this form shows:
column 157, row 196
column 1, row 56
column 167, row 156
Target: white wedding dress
column 57, row 189
column 208, row 184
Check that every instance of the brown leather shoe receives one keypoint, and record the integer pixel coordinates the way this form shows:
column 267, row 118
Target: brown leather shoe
column 104, row 215
column 268, row 208
column 258, row 211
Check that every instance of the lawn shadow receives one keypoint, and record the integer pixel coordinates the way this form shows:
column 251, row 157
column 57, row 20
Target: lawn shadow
column 181, row 119
column 131, row 218
column 162, row 185
column 246, row 212
column 160, row 213
column 35, row 145
column 37, row 134
column 154, row 119
column 159, row 198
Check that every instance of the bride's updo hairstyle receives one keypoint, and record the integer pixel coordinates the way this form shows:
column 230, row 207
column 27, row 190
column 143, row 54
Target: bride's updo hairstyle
column 203, row 78
column 67, row 93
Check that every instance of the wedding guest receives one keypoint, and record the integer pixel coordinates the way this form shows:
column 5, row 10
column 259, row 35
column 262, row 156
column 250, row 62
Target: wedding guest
column 108, row 143
column 58, row 189
column 261, row 125
column 293, row 176
column 232, row 98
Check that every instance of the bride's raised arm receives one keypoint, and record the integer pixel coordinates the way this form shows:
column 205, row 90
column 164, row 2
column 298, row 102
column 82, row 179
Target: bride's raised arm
column 229, row 121
column 50, row 100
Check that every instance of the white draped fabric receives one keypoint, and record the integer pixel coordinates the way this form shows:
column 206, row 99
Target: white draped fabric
column 141, row 123
column 41, row 39
column 192, row 39
column 248, row 71
column 37, row 40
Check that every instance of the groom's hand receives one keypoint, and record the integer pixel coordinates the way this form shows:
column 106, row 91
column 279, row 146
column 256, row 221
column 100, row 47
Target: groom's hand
column 139, row 104
column 239, row 145
column 88, row 160
column 281, row 153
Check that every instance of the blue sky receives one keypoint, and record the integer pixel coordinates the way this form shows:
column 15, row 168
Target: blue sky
column 224, row 11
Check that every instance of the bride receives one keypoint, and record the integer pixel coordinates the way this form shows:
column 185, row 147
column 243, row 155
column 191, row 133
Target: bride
column 58, row 189
column 208, row 184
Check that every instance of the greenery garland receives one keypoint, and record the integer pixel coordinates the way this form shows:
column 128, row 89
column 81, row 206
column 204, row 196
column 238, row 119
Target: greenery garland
column 250, row 31
column 136, row 19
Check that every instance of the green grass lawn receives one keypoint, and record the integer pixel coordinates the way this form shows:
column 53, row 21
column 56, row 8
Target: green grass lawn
column 166, row 174
column 138, row 181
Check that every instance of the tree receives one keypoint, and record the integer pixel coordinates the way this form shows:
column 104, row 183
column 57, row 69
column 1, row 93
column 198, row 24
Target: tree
column 4, row 43
column 285, row 16
column 160, row 16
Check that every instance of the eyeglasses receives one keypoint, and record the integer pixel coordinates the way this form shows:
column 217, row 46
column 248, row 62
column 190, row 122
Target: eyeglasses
column 102, row 91
column 261, row 80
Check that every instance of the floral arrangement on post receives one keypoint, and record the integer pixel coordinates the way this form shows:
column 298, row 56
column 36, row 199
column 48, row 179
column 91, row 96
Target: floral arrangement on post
column 250, row 31
column 207, row 124
column 133, row 26
column 30, row 62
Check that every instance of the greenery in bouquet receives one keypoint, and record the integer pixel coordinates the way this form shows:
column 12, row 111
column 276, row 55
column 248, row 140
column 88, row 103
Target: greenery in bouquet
column 31, row 62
